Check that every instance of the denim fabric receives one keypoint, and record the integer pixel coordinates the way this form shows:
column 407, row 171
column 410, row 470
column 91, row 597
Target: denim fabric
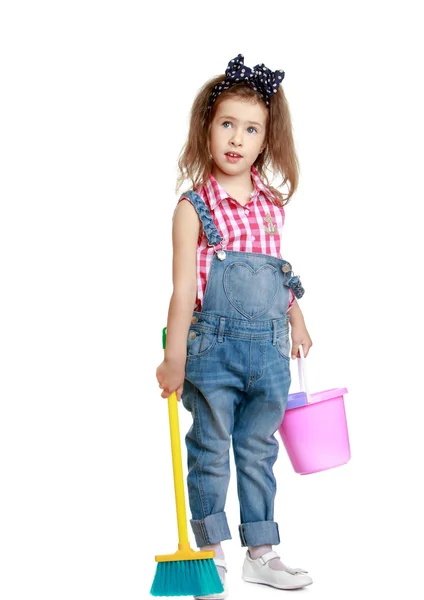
column 209, row 227
column 236, row 388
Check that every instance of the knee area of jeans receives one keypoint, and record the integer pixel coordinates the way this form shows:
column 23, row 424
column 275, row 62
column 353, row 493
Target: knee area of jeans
column 252, row 461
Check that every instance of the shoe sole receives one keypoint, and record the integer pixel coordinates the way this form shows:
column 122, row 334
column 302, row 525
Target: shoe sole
column 279, row 587
column 211, row 597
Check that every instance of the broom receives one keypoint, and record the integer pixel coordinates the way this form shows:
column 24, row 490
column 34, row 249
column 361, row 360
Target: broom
column 185, row 573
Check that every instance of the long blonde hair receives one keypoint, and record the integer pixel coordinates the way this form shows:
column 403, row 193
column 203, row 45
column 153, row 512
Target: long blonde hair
column 279, row 157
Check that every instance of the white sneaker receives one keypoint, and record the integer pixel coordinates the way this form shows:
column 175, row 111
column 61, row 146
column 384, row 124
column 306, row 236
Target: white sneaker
column 219, row 563
column 258, row 571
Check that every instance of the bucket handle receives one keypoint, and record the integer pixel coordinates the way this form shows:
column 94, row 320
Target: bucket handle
column 302, row 375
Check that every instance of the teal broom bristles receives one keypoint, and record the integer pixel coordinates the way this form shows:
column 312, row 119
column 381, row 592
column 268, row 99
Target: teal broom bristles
column 186, row 578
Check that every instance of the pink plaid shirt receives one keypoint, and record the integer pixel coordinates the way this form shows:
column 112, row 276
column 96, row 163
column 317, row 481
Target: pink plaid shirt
column 255, row 227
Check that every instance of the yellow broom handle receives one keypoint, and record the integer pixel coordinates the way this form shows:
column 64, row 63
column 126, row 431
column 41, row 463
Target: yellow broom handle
column 177, row 465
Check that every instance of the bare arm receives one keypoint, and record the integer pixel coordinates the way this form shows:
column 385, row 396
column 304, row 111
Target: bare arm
column 296, row 315
column 299, row 333
column 185, row 233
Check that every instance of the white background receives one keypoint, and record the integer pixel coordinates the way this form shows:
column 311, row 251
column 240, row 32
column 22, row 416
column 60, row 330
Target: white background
column 95, row 102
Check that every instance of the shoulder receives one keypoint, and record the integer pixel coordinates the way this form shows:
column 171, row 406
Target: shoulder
column 185, row 225
column 185, row 208
column 268, row 197
column 271, row 194
column 197, row 198
column 197, row 201
column 273, row 204
column 185, row 218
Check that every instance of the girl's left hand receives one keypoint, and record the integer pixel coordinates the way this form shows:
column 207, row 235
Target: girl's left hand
column 300, row 336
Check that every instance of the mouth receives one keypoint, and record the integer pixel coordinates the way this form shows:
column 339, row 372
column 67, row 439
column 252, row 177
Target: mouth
column 233, row 156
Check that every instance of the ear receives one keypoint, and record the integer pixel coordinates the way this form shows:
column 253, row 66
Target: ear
column 262, row 148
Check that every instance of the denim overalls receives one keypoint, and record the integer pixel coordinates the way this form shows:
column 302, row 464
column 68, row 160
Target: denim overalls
column 236, row 384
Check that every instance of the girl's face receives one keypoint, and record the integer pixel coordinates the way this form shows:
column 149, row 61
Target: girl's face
column 237, row 135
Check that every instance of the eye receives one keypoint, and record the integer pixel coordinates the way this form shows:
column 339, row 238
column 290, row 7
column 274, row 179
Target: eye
column 252, row 130
column 226, row 124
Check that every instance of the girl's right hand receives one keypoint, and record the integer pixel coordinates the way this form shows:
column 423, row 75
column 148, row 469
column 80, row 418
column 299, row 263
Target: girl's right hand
column 170, row 377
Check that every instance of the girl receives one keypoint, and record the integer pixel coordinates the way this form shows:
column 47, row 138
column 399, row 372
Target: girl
column 228, row 347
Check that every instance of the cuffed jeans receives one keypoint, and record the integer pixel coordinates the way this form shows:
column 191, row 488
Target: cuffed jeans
column 237, row 382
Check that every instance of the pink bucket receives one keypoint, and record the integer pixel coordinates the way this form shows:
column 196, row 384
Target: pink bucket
column 314, row 429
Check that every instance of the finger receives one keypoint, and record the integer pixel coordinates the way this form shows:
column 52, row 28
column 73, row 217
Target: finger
column 179, row 392
column 295, row 350
column 306, row 348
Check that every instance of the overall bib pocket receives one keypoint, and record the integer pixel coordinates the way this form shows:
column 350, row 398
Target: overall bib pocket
column 251, row 291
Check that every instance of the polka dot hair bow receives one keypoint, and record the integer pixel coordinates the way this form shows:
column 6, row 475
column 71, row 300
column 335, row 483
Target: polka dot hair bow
column 260, row 78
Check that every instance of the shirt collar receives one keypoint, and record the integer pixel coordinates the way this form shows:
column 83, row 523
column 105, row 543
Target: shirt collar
column 215, row 193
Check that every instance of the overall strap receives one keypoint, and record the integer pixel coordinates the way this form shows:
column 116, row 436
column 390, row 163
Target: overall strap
column 205, row 217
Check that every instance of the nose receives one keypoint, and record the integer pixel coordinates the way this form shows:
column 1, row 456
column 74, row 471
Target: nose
column 237, row 138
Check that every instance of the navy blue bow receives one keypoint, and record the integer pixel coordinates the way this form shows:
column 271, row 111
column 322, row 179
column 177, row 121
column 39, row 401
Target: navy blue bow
column 260, row 78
